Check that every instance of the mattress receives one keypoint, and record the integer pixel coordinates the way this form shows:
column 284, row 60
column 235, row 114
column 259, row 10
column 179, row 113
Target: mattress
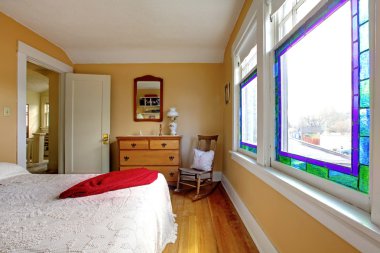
column 33, row 219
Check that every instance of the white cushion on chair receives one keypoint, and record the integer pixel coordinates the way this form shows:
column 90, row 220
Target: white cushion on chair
column 202, row 159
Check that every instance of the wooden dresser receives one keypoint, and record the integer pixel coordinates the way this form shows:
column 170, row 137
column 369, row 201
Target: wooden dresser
column 161, row 153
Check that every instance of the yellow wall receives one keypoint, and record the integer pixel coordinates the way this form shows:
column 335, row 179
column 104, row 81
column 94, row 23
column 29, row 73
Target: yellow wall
column 10, row 33
column 194, row 89
column 288, row 227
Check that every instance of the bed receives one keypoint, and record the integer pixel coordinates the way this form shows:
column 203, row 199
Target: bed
column 33, row 219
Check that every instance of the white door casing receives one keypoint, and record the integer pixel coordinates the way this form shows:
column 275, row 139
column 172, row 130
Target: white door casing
column 26, row 53
column 87, row 119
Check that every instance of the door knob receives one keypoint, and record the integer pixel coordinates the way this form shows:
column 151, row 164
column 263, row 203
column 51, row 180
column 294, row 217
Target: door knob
column 105, row 138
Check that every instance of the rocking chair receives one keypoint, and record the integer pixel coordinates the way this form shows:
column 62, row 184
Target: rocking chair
column 195, row 177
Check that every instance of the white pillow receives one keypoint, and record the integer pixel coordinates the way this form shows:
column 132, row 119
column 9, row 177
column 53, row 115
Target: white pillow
column 11, row 169
column 202, row 160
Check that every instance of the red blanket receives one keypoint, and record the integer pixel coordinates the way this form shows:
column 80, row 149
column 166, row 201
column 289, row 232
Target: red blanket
column 110, row 182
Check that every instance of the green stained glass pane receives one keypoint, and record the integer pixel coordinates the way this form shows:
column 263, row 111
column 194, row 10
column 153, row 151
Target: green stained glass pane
column 364, row 37
column 364, row 122
column 284, row 160
column 344, row 179
column 250, row 149
column 363, row 11
column 364, row 93
column 364, row 178
column 298, row 164
column 364, row 65
column 317, row 170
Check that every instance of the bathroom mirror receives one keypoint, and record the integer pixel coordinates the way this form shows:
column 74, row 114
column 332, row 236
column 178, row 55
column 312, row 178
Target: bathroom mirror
column 148, row 98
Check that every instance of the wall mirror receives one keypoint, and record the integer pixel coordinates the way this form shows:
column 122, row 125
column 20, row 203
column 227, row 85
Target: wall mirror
column 148, row 98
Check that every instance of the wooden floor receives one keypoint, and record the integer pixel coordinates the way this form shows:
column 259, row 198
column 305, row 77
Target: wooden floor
column 209, row 225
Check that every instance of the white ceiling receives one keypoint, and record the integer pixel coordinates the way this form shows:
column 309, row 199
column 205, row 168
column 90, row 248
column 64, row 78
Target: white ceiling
column 131, row 31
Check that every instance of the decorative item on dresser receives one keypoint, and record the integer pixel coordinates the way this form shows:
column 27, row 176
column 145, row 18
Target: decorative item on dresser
column 173, row 114
column 161, row 153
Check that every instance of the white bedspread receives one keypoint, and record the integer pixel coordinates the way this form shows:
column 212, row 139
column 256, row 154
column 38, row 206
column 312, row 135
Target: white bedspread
column 33, row 219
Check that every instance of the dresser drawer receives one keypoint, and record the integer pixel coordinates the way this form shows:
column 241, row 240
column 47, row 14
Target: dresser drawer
column 170, row 172
column 164, row 144
column 134, row 144
column 153, row 157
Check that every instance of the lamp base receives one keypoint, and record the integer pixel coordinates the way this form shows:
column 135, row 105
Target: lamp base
column 173, row 128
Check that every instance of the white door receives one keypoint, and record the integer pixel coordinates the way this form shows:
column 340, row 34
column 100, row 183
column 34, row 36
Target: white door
column 87, row 123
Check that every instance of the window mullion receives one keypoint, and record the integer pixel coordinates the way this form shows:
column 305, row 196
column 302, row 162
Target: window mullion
column 294, row 12
column 375, row 112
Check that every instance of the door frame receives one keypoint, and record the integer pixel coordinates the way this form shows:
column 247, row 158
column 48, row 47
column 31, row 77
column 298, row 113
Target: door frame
column 26, row 53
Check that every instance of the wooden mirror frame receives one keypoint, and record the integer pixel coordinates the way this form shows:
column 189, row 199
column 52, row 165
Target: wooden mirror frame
column 148, row 78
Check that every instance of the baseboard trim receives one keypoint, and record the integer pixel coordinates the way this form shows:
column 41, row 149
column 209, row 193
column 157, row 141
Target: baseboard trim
column 217, row 176
column 259, row 237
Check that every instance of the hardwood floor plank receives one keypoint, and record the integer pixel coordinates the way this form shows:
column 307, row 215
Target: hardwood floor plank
column 209, row 225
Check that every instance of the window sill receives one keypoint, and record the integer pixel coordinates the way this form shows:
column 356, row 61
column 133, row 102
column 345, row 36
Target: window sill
column 350, row 223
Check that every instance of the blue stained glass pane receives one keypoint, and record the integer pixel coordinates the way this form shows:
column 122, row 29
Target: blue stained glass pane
column 364, row 37
column 298, row 164
column 276, row 69
column 364, row 150
column 364, row 93
column 364, row 122
column 363, row 11
column 364, row 65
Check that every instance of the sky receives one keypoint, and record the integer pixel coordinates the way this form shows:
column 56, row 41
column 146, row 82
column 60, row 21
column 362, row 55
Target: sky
column 319, row 68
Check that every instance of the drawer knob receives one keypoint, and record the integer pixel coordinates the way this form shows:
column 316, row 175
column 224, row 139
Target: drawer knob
column 163, row 144
column 171, row 174
column 126, row 158
column 171, row 158
column 133, row 145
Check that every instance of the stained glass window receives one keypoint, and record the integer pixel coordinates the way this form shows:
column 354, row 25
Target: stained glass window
column 323, row 95
column 248, row 113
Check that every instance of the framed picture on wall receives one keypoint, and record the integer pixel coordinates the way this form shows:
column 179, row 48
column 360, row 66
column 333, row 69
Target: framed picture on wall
column 227, row 88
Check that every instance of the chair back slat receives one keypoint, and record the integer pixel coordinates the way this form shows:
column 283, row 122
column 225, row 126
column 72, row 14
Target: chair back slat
column 207, row 143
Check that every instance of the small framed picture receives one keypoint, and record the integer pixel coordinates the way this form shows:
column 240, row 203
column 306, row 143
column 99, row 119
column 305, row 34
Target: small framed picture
column 227, row 93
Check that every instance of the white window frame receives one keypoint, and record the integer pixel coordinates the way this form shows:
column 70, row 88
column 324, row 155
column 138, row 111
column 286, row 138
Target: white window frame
column 249, row 27
column 355, row 225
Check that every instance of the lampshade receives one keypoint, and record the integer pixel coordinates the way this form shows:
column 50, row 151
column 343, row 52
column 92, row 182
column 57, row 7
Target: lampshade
column 172, row 112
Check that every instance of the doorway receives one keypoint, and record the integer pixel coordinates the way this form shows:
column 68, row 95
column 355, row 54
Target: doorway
column 26, row 55
column 41, row 119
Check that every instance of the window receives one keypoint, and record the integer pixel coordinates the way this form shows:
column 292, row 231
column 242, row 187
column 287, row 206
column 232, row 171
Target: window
column 245, row 87
column 46, row 114
column 248, row 103
column 322, row 95
column 249, row 63
column 248, row 113
column 290, row 13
